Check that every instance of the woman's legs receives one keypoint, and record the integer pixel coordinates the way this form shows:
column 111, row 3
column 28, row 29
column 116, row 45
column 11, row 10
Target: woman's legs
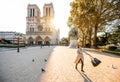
column 77, row 64
column 81, row 65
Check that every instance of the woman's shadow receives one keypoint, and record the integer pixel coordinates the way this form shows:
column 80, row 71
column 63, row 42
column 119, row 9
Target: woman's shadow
column 86, row 78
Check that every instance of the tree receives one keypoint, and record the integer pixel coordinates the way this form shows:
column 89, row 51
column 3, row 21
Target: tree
column 115, row 36
column 93, row 15
column 64, row 41
column 79, row 20
column 105, row 11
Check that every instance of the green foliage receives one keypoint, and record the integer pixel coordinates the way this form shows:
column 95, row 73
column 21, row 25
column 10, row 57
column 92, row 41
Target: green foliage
column 114, row 37
column 116, row 52
column 112, row 48
column 111, row 51
column 93, row 14
column 64, row 41
column 101, row 40
column 73, row 32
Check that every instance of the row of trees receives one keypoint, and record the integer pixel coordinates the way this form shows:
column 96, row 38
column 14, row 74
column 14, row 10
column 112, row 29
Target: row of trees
column 91, row 16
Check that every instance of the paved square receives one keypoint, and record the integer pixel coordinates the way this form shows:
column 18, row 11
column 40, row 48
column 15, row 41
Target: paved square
column 19, row 67
column 60, row 67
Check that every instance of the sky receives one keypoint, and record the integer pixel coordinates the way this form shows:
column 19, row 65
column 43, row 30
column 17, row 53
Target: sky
column 14, row 12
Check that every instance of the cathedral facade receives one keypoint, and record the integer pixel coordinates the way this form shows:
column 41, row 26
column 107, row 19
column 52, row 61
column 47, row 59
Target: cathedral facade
column 41, row 29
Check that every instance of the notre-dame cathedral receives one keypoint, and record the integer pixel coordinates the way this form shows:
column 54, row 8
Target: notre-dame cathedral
column 41, row 29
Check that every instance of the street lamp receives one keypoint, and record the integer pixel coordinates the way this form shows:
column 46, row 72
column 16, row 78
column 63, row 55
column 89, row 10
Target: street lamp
column 18, row 40
column 18, row 45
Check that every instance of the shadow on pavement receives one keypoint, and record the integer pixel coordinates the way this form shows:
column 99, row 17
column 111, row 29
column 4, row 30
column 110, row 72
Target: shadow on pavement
column 85, row 77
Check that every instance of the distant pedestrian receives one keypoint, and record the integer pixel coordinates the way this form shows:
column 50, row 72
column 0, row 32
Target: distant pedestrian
column 41, row 45
column 33, row 60
column 80, row 57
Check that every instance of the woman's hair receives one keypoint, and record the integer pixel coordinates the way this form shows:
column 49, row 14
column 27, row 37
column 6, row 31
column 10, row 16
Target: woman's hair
column 78, row 46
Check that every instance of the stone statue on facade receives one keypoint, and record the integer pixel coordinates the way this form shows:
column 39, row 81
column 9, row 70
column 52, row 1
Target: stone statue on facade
column 73, row 34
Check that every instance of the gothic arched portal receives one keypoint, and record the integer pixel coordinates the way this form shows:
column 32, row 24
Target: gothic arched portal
column 38, row 40
column 30, row 40
column 47, row 40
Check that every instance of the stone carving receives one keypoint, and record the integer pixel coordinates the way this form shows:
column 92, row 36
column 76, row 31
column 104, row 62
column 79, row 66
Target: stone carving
column 73, row 34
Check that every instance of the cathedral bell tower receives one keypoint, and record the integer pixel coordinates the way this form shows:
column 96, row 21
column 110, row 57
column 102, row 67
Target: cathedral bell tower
column 48, row 14
column 48, row 10
column 33, row 18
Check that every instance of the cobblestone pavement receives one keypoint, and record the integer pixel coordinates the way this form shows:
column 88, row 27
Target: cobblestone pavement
column 60, row 67
column 20, row 67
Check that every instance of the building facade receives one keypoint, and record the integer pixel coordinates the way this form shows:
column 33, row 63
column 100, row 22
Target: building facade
column 41, row 29
column 12, row 37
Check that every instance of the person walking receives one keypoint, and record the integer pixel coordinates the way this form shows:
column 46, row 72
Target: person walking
column 80, row 58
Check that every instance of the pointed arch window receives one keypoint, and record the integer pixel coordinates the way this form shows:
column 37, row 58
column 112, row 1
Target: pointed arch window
column 33, row 12
column 30, row 12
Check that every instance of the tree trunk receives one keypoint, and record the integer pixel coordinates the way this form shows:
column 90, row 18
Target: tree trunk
column 95, row 36
column 89, row 36
column 106, row 36
column 83, row 41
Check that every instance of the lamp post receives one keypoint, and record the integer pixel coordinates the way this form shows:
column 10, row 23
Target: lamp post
column 18, row 45
column 17, row 35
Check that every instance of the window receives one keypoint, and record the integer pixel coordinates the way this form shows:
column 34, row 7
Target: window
column 30, row 12
column 31, row 29
column 33, row 12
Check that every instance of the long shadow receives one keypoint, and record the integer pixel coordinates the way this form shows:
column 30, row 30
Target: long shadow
column 86, row 78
